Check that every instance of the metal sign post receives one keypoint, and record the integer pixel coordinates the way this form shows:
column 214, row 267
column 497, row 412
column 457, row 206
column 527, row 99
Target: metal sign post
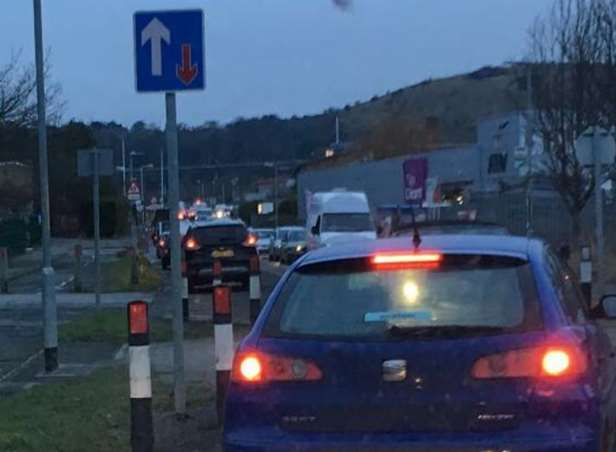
column 95, row 162
column 170, row 57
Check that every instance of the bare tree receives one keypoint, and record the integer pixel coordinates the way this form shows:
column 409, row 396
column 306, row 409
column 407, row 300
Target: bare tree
column 18, row 94
column 567, row 48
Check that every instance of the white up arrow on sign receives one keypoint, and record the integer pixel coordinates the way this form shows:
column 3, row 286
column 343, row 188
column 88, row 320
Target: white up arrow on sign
column 155, row 32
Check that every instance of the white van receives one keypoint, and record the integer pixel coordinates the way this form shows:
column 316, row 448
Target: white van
column 338, row 216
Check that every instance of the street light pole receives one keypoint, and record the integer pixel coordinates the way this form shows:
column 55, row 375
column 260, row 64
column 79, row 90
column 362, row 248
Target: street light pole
column 48, row 277
column 123, row 165
column 162, row 177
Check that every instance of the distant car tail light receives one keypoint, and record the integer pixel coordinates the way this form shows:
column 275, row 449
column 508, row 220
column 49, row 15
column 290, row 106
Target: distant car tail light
column 256, row 367
column 161, row 243
column 191, row 244
column 404, row 260
column 547, row 362
column 251, row 240
column 181, row 215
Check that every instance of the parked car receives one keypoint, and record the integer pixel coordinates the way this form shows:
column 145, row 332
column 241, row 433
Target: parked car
column 294, row 245
column 226, row 240
column 264, row 239
column 465, row 343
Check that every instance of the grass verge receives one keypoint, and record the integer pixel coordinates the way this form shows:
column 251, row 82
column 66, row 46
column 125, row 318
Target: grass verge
column 116, row 276
column 109, row 325
column 90, row 413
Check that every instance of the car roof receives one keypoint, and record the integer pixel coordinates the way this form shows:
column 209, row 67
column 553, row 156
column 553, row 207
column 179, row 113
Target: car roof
column 500, row 245
column 291, row 228
column 218, row 222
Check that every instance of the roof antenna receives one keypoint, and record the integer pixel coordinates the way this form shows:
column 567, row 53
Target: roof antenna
column 416, row 236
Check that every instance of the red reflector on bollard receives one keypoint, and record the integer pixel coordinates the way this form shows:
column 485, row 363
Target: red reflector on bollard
column 254, row 264
column 138, row 317
column 222, row 300
column 217, row 268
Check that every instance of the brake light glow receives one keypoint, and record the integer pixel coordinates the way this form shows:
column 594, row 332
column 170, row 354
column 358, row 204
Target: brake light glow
column 259, row 367
column 251, row 240
column 250, row 368
column 161, row 243
column 181, row 215
column 555, row 362
column 191, row 244
column 539, row 362
column 407, row 259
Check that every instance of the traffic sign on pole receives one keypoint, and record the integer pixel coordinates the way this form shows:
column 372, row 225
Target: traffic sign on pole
column 169, row 51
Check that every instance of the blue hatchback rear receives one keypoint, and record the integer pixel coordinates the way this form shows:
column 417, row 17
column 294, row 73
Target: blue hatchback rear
column 465, row 344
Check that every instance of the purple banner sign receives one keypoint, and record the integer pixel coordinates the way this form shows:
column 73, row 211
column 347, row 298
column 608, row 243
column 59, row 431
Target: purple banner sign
column 415, row 174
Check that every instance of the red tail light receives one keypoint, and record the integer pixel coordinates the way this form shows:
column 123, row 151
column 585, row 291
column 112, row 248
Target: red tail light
column 161, row 243
column 256, row 367
column 181, row 215
column 191, row 244
column 548, row 362
column 251, row 240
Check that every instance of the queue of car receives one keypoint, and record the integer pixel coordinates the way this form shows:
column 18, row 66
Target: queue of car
column 443, row 336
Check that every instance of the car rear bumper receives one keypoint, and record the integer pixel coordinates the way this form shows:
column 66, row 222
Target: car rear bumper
column 562, row 441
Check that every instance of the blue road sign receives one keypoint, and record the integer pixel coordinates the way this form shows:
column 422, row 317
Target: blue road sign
column 169, row 50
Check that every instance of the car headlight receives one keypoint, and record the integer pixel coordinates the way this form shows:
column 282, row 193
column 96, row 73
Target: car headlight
column 300, row 248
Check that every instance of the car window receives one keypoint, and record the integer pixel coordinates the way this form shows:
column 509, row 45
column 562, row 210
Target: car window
column 346, row 222
column 566, row 288
column 350, row 299
column 215, row 235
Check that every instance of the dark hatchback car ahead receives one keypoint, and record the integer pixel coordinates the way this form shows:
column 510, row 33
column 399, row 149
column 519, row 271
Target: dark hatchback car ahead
column 225, row 240
column 469, row 343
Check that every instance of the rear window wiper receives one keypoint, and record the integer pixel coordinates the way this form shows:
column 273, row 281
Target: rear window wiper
column 442, row 330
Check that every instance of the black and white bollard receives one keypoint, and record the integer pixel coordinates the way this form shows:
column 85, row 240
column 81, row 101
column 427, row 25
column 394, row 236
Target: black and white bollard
column 142, row 432
column 586, row 274
column 223, row 341
column 185, row 306
column 254, row 289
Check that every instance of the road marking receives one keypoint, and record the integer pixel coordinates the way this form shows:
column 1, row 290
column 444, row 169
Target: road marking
column 19, row 368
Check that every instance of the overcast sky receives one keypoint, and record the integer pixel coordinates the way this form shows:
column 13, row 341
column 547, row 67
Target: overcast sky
column 286, row 57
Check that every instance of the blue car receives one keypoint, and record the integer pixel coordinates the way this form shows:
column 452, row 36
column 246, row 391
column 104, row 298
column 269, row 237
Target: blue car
column 464, row 343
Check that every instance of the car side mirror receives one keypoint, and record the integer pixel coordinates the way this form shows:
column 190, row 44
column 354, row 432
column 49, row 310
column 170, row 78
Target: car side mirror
column 314, row 230
column 606, row 309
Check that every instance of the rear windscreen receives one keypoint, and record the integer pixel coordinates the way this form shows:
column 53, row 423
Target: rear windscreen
column 352, row 298
column 217, row 235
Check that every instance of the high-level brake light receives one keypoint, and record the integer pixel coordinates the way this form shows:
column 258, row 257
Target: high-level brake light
column 385, row 259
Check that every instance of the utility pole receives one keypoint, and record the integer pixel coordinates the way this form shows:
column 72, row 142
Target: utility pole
column 123, row 165
column 529, row 150
column 50, row 316
column 97, row 225
column 276, row 195
column 176, row 276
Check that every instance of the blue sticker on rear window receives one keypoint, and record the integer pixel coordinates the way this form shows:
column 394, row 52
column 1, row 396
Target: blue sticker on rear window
column 402, row 315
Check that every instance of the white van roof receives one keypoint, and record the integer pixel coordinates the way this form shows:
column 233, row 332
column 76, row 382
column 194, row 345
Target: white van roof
column 340, row 202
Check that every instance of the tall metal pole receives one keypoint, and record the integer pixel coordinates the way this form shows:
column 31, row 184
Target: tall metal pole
column 123, row 166
column 132, row 169
column 141, row 186
column 276, row 195
column 529, row 151
column 50, row 315
column 162, row 177
column 97, row 226
column 173, row 176
column 598, row 201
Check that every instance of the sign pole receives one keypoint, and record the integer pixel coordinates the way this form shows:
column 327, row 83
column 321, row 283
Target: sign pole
column 175, row 249
column 97, row 225
column 50, row 314
column 598, row 201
